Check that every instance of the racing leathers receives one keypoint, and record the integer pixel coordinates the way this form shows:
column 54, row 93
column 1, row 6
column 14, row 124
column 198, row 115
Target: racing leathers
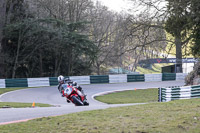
column 71, row 83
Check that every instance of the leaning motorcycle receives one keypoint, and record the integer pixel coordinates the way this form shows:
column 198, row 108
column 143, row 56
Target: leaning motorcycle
column 74, row 95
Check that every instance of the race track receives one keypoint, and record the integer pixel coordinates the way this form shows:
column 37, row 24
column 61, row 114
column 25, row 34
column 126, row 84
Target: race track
column 50, row 95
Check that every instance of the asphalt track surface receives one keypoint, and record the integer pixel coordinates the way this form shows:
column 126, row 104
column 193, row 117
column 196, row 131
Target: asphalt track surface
column 50, row 95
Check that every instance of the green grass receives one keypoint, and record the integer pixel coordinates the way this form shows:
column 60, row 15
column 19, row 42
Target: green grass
column 181, row 116
column 131, row 96
column 21, row 105
column 15, row 104
column 145, row 70
column 156, row 68
column 169, row 117
column 4, row 90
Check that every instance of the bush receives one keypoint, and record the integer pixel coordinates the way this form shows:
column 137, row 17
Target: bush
column 189, row 79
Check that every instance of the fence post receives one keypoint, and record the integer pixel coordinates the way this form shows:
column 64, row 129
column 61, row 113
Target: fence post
column 159, row 95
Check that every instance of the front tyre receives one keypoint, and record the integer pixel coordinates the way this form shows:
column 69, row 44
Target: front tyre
column 77, row 101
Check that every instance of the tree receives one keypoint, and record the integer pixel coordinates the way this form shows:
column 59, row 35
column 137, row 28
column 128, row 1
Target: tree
column 102, row 31
column 45, row 40
column 176, row 17
column 34, row 45
column 25, row 38
column 2, row 23
column 195, row 20
column 74, row 12
column 145, row 38
column 178, row 25
column 74, row 37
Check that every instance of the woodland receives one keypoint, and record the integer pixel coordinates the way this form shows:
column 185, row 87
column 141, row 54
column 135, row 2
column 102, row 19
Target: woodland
column 46, row 38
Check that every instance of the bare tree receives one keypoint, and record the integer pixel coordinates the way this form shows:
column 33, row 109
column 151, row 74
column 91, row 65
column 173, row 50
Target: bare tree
column 174, row 16
column 102, row 31
column 121, row 39
column 143, row 32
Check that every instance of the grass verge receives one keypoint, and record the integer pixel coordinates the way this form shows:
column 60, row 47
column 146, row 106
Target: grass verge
column 130, row 96
column 21, row 105
column 4, row 90
column 15, row 104
column 170, row 117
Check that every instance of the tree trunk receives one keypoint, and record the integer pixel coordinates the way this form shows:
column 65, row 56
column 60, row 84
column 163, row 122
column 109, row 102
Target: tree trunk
column 17, row 55
column 98, row 68
column 178, row 44
column 58, row 62
column 69, row 61
column 41, row 63
column 2, row 23
column 135, row 63
column 2, row 20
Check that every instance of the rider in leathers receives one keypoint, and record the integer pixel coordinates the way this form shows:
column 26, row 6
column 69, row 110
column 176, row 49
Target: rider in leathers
column 63, row 80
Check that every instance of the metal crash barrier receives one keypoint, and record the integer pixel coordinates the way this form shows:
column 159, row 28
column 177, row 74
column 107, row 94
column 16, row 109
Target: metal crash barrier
column 93, row 79
column 175, row 93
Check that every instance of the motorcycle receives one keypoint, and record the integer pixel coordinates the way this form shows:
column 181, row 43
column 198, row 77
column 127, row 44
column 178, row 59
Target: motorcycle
column 74, row 95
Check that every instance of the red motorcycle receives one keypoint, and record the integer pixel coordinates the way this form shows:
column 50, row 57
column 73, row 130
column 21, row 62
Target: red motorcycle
column 74, row 95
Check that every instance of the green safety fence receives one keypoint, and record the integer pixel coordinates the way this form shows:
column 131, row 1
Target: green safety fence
column 135, row 78
column 23, row 82
column 53, row 81
column 16, row 82
column 99, row 79
column 168, row 76
column 174, row 93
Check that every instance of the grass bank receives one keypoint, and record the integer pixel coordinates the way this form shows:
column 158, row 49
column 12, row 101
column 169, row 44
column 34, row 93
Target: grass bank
column 4, row 90
column 130, row 96
column 15, row 104
column 156, row 68
column 21, row 105
column 170, row 117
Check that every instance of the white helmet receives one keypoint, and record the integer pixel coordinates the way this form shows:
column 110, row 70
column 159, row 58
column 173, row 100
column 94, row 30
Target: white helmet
column 60, row 78
column 74, row 83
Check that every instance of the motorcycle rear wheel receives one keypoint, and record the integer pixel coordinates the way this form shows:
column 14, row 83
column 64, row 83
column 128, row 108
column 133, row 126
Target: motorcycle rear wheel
column 86, row 103
column 77, row 101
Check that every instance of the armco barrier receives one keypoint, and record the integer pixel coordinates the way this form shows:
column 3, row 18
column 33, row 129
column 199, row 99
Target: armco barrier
column 118, row 78
column 81, row 79
column 2, row 83
column 153, row 77
column 122, row 78
column 99, row 79
column 135, row 78
column 34, row 82
column 168, row 76
column 16, row 82
column 53, row 81
column 181, row 76
column 185, row 92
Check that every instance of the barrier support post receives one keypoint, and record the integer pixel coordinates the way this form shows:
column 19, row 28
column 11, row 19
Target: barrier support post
column 159, row 95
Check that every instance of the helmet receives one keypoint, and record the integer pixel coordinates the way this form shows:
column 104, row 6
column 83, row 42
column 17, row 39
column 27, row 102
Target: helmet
column 74, row 83
column 67, row 79
column 60, row 79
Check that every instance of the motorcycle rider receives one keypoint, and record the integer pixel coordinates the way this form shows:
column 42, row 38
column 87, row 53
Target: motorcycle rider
column 62, row 80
